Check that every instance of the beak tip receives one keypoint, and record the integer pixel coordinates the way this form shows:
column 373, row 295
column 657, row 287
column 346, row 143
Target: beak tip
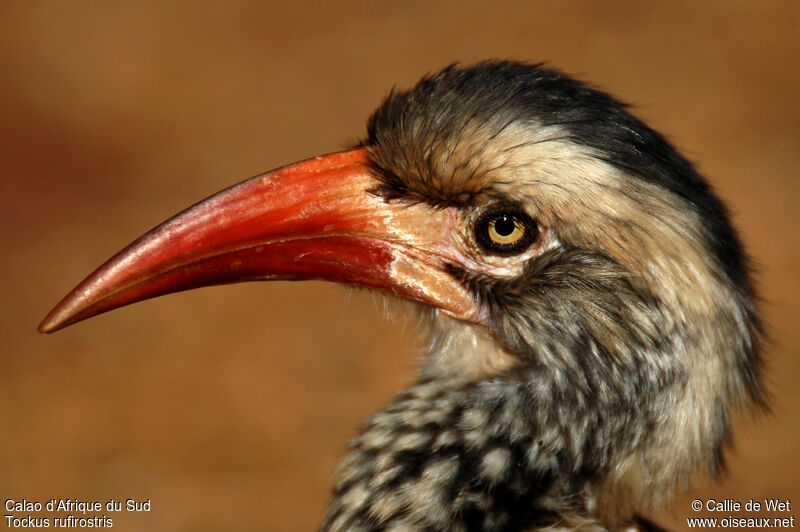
column 49, row 324
column 61, row 316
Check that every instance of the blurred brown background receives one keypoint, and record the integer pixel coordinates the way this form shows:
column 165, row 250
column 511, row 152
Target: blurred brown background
column 228, row 407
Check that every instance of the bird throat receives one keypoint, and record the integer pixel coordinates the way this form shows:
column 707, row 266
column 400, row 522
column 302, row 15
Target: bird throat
column 461, row 351
column 495, row 452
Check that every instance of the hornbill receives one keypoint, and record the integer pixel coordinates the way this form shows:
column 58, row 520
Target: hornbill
column 587, row 307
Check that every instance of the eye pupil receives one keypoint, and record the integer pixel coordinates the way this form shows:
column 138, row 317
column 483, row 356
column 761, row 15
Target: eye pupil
column 505, row 225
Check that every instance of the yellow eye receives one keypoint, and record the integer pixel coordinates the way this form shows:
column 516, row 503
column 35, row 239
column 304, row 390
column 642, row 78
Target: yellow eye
column 505, row 229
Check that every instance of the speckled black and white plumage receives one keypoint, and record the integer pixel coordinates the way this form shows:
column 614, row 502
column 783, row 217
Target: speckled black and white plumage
column 625, row 341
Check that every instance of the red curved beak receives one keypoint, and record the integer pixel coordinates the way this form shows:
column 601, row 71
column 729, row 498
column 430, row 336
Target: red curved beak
column 316, row 219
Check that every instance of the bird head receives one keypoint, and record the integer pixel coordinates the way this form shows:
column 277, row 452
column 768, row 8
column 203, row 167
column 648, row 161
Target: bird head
column 550, row 240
